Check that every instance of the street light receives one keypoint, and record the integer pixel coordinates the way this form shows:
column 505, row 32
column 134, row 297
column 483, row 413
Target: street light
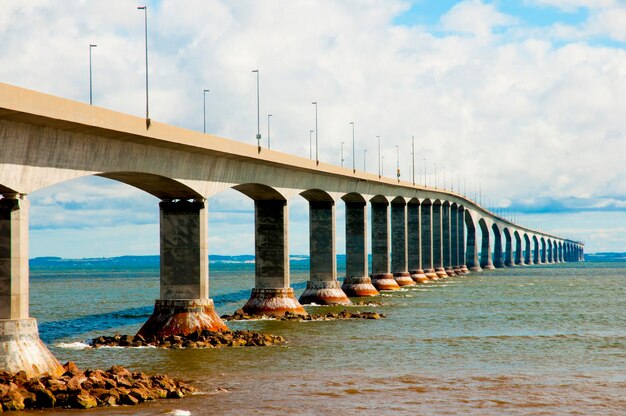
column 342, row 153
column 382, row 166
column 268, row 130
column 258, row 110
column 204, row 109
column 90, row 82
column 398, row 162
column 145, row 15
column 317, row 160
column 353, row 162
column 379, row 162
column 311, row 144
column 413, row 159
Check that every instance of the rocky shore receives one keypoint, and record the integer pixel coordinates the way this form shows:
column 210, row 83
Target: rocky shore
column 86, row 389
column 198, row 339
column 240, row 315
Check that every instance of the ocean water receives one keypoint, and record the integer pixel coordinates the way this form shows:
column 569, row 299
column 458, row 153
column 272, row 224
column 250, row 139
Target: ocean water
column 541, row 340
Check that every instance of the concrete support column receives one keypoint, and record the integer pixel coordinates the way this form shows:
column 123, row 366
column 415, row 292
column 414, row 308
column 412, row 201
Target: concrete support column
column 462, row 242
column 323, row 287
column 528, row 253
column 183, row 306
column 519, row 252
column 498, row 254
column 485, row 252
column 414, row 243
column 357, row 281
column 544, row 254
column 536, row 256
column 550, row 253
column 437, row 226
column 382, row 279
column 21, row 348
column 271, row 294
column 454, row 240
column 447, row 239
column 399, row 254
column 427, row 242
column 472, row 250
column 508, row 252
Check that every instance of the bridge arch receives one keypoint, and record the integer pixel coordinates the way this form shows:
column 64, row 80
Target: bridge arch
column 549, row 251
column 260, row 192
column 543, row 254
column 160, row 186
column 509, row 254
column 518, row 255
column 485, row 249
column 528, row 251
column 6, row 190
column 471, row 258
column 498, row 251
column 535, row 250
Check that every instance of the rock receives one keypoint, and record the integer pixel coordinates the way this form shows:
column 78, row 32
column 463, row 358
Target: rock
column 71, row 369
column 44, row 399
column 13, row 401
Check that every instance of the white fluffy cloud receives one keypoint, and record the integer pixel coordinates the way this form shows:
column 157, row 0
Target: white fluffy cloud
column 525, row 112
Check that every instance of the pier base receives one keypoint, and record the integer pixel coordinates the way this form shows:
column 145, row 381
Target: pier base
column 324, row 293
column 464, row 269
column 182, row 317
column 384, row 281
column 441, row 273
column 419, row 276
column 458, row 271
column 430, row 273
column 273, row 302
column 450, row 271
column 359, row 287
column 403, row 279
column 21, row 349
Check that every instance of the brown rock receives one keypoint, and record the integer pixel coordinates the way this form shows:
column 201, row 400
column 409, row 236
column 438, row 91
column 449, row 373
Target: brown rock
column 13, row 401
column 71, row 369
column 84, row 401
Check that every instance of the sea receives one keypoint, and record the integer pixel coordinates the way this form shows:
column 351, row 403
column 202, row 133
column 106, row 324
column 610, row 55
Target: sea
column 540, row 340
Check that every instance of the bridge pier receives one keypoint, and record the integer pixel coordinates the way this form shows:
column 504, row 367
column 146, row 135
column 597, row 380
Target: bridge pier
column 21, row 349
column 461, row 228
column 271, row 294
column 485, row 251
column 382, row 279
column 471, row 258
column 414, row 246
column 183, row 306
column 427, row 240
column 498, row 254
column 447, row 239
column 437, row 226
column 454, row 236
column 323, row 287
column 357, row 282
column 399, row 244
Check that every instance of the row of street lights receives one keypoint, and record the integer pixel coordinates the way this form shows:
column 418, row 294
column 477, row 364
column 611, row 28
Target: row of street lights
column 381, row 158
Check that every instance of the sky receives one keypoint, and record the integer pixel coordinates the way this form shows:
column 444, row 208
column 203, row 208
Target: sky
column 521, row 102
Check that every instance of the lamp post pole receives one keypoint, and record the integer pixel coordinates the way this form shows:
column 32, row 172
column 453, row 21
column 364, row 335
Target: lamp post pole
column 317, row 159
column 145, row 14
column 353, row 161
column 204, row 109
column 342, row 153
column 398, row 162
column 364, row 160
column 379, row 159
column 413, row 159
column 91, row 46
column 258, row 110
column 268, row 130
column 382, row 166
column 311, row 144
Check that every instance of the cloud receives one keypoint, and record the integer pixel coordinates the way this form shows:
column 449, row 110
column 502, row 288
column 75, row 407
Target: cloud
column 475, row 17
column 524, row 112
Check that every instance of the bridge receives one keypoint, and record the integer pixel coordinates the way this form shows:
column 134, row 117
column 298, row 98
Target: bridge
column 418, row 233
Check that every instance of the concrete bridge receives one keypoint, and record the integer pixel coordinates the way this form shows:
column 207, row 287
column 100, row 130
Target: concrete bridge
column 417, row 233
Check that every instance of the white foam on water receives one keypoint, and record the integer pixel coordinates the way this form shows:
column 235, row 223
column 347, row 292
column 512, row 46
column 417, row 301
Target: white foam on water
column 73, row 345
column 179, row 412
